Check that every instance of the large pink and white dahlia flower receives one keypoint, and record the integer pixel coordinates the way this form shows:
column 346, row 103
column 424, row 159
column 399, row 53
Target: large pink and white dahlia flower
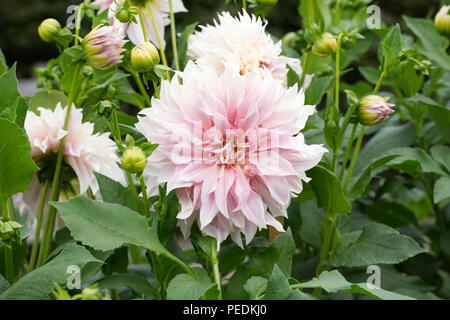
column 160, row 10
column 241, row 44
column 84, row 151
column 231, row 147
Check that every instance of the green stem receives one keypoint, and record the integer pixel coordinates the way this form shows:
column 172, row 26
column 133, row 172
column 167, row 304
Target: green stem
column 347, row 151
column 338, row 70
column 158, row 37
column 144, row 196
column 304, row 67
column 9, row 264
column 215, row 264
column 37, row 234
column 328, row 228
column 133, row 191
column 12, row 215
column 78, row 23
column 354, row 158
column 380, row 81
column 51, row 214
column 138, row 80
column 174, row 36
column 155, row 85
column 244, row 4
column 117, row 135
column 141, row 19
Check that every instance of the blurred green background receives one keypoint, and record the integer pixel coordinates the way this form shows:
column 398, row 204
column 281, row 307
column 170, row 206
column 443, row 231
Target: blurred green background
column 19, row 20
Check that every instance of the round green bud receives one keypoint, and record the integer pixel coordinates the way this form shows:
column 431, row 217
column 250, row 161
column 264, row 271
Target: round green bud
column 442, row 21
column 267, row 3
column 48, row 29
column 87, row 71
column 144, row 57
column 123, row 15
column 289, row 39
column 348, row 42
column 325, row 46
column 134, row 160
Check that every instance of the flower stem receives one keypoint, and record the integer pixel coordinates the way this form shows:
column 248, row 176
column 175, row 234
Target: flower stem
column 133, row 191
column 304, row 67
column 338, row 70
column 12, row 215
column 158, row 37
column 144, row 196
column 118, row 136
column 380, row 81
column 138, row 80
column 215, row 265
column 9, row 262
column 51, row 214
column 78, row 23
column 244, row 4
column 354, row 158
column 174, row 36
column 37, row 234
column 347, row 151
column 141, row 19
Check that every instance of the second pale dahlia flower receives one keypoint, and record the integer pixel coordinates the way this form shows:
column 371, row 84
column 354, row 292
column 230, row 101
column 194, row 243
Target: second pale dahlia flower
column 134, row 32
column 230, row 146
column 84, row 153
column 240, row 44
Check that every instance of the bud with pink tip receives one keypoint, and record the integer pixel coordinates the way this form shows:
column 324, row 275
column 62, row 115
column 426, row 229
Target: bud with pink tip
column 104, row 46
column 374, row 109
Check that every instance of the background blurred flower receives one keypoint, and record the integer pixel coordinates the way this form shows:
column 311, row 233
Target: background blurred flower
column 240, row 44
column 246, row 161
column 134, row 30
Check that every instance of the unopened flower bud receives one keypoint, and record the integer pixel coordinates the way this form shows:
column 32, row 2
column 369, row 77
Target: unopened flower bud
column 123, row 15
column 442, row 21
column 325, row 46
column 104, row 46
column 48, row 29
column 267, row 3
column 348, row 42
column 87, row 71
column 134, row 160
column 144, row 56
column 373, row 110
column 289, row 39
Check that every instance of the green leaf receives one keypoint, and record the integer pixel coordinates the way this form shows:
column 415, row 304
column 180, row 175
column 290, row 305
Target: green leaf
column 137, row 284
column 278, row 288
column 107, row 226
column 328, row 190
column 333, row 281
column 433, row 44
column 317, row 89
column 255, row 287
column 8, row 89
column 441, row 189
column 16, row 165
column 113, row 192
column 168, row 223
column 386, row 138
column 183, row 43
column 376, row 243
column 413, row 161
column 38, row 284
column 47, row 99
column 391, row 48
column 280, row 252
column 3, row 283
column 441, row 154
column 3, row 65
column 185, row 287
column 311, row 223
